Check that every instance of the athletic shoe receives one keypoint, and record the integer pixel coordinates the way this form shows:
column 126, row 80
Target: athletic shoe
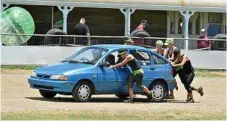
column 130, row 100
column 171, row 97
column 190, row 100
column 149, row 95
column 200, row 91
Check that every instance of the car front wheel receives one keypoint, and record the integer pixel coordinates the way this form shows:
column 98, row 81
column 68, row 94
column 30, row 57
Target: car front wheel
column 82, row 92
column 158, row 91
column 47, row 94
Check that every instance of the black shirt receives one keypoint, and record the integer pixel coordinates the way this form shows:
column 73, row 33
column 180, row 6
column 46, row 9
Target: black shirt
column 134, row 64
column 81, row 29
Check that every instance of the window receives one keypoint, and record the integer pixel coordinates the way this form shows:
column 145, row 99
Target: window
column 142, row 56
column 93, row 55
column 158, row 60
column 113, row 58
column 180, row 25
column 215, row 18
column 197, row 29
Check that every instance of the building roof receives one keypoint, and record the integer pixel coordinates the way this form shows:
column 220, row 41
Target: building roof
column 169, row 5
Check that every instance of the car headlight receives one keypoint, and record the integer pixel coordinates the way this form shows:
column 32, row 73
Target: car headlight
column 59, row 77
column 33, row 74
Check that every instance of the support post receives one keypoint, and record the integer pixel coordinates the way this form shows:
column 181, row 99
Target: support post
column 127, row 13
column 187, row 15
column 65, row 10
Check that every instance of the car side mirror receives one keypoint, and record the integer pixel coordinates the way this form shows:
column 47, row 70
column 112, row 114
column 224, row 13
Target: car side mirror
column 104, row 64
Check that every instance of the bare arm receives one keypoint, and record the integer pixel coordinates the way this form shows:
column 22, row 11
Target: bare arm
column 165, row 53
column 185, row 59
column 125, row 61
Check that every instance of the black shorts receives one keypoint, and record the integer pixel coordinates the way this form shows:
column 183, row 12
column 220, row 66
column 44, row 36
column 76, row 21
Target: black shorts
column 138, row 78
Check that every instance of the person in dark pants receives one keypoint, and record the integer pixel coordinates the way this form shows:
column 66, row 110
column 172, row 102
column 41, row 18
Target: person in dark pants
column 82, row 29
column 184, row 68
column 168, row 53
column 135, row 76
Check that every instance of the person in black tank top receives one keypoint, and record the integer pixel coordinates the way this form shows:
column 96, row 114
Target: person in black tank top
column 186, row 73
column 168, row 54
column 135, row 76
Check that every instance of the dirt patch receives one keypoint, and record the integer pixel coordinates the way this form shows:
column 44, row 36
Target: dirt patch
column 17, row 96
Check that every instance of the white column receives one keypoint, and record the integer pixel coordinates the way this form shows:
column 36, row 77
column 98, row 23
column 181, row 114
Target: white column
column 4, row 6
column 127, row 13
column 187, row 15
column 65, row 10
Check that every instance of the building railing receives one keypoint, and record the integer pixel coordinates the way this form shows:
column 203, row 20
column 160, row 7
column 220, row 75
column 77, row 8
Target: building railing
column 80, row 40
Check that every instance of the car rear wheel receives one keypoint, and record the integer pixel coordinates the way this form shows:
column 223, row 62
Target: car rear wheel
column 47, row 94
column 82, row 92
column 158, row 91
column 122, row 96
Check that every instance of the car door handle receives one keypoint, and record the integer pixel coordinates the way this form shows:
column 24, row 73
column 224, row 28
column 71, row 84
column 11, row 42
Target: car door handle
column 152, row 68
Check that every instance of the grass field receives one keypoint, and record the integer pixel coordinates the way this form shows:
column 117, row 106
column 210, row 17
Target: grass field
column 198, row 72
column 19, row 102
column 85, row 115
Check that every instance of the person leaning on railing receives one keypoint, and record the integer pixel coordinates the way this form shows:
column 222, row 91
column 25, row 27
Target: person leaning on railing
column 82, row 29
column 203, row 44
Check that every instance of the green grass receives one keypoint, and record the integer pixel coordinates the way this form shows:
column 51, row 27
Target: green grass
column 105, row 115
column 18, row 67
column 198, row 72
column 210, row 74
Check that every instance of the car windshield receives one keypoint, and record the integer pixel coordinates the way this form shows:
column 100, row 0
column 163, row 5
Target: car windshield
column 87, row 55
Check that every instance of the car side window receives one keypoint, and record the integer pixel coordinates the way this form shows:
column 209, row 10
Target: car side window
column 158, row 60
column 142, row 56
column 112, row 58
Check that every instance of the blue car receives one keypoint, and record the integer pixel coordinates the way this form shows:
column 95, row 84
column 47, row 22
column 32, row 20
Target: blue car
column 87, row 73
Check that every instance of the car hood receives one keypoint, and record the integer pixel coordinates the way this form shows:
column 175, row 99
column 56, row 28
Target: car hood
column 61, row 68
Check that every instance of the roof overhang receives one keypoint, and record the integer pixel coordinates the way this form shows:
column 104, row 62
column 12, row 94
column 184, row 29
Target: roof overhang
column 117, row 5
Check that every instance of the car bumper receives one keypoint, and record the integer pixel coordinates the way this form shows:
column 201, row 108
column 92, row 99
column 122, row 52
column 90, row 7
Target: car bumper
column 51, row 85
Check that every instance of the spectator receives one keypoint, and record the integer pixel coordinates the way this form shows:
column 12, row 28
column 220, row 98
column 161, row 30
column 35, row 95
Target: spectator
column 129, row 41
column 203, row 44
column 142, row 25
column 82, row 29
column 140, row 29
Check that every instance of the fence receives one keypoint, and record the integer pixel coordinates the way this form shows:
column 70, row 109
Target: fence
column 77, row 40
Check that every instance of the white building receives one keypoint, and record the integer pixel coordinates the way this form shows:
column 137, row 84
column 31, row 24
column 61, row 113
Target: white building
column 169, row 18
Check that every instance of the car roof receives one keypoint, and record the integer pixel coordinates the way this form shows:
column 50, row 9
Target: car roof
column 117, row 46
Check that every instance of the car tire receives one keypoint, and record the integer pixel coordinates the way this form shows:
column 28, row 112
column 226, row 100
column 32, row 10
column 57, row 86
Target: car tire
column 140, row 33
column 122, row 96
column 55, row 40
column 158, row 91
column 47, row 94
column 82, row 92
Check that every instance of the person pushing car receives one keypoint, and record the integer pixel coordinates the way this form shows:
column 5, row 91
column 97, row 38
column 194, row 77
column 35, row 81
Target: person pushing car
column 135, row 76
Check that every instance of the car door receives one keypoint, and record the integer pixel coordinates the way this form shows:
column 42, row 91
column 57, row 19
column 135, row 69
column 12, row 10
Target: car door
column 158, row 68
column 112, row 80
column 145, row 60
